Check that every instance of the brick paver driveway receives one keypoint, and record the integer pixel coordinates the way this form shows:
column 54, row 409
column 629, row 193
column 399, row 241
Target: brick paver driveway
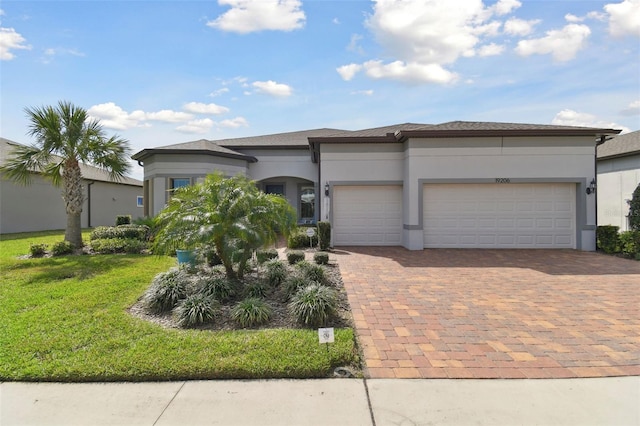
column 493, row 313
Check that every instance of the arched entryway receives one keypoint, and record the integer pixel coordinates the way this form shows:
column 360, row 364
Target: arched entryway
column 301, row 194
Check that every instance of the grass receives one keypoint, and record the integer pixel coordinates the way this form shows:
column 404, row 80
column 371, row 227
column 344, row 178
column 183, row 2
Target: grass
column 65, row 319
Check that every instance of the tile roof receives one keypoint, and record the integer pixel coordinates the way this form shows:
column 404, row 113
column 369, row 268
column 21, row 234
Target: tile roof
column 88, row 172
column 289, row 139
column 483, row 125
column 621, row 145
column 381, row 131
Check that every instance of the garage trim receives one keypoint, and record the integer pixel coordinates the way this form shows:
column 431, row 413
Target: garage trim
column 581, row 199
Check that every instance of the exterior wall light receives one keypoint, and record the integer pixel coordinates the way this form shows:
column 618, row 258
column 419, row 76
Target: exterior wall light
column 326, row 189
column 591, row 189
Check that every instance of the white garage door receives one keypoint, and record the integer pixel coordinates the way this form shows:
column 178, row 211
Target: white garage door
column 499, row 215
column 367, row 215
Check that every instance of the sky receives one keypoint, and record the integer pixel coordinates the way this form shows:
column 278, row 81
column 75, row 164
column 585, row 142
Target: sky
column 164, row 72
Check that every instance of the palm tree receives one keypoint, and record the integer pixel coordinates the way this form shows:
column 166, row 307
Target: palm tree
column 228, row 214
column 65, row 137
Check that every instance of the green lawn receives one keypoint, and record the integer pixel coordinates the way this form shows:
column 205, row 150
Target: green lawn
column 65, row 319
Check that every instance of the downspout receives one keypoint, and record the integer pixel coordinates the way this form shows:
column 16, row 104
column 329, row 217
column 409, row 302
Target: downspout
column 89, row 203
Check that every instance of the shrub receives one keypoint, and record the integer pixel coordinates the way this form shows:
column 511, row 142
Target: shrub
column 38, row 250
column 123, row 220
column 118, row 245
column 314, row 305
column 167, row 289
column 251, row 312
column 276, row 272
column 324, row 235
column 136, row 232
column 312, row 272
column 267, row 254
column 630, row 242
column 295, row 256
column 61, row 248
column 219, row 288
column 293, row 284
column 299, row 239
column 634, row 210
column 256, row 289
column 212, row 257
column 607, row 238
column 321, row 258
column 195, row 310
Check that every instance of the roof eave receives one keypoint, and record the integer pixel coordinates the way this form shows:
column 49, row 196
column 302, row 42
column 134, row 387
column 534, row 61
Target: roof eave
column 406, row 134
column 145, row 153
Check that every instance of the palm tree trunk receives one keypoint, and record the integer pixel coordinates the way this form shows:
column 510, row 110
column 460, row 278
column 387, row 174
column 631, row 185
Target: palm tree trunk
column 73, row 199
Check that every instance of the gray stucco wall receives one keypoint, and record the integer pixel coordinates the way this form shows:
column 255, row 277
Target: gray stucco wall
column 617, row 179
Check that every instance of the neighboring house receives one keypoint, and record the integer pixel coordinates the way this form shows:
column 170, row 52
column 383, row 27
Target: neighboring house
column 39, row 206
column 618, row 176
column 458, row 184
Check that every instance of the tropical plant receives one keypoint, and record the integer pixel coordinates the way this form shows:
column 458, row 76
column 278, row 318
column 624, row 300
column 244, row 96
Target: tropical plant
column 314, row 305
column 251, row 312
column 65, row 136
column 312, row 272
column 167, row 289
column 38, row 250
column 195, row 310
column 276, row 272
column 219, row 288
column 634, row 210
column 228, row 213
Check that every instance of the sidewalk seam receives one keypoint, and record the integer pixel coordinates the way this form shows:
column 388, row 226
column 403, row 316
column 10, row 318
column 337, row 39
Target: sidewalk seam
column 366, row 391
column 169, row 403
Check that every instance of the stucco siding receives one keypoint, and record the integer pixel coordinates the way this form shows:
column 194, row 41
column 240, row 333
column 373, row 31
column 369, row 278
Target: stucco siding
column 109, row 200
column 270, row 164
column 355, row 162
column 191, row 165
column 617, row 179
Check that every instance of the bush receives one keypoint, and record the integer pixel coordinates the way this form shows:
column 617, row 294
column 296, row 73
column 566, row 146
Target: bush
column 61, row 248
column 295, row 256
column 276, row 272
column 123, row 220
column 257, row 289
column 267, row 254
column 634, row 210
column 312, row 272
column 324, row 235
column 293, row 284
column 167, row 289
column 321, row 258
column 118, row 245
column 630, row 243
column 219, row 288
column 135, row 232
column 314, row 305
column 195, row 310
column 607, row 238
column 251, row 312
column 38, row 250
column 299, row 239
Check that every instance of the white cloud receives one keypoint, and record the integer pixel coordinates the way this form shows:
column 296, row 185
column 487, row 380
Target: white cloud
column 632, row 109
column 10, row 40
column 113, row 117
column 234, row 123
column 246, row 16
column 218, row 92
column 562, row 44
column 200, row 108
column 353, row 45
column 568, row 117
column 336, row 21
column 363, row 92
column 196, row 126
column 422, row 37
column 569, row 17
column 520, row 27
column 412, row 72
column 168, row 116
column 272, row 88
column 347, row 72
column 624, row 18
column 491, row 49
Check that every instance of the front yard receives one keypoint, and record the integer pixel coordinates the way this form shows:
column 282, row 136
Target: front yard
column 66, row 319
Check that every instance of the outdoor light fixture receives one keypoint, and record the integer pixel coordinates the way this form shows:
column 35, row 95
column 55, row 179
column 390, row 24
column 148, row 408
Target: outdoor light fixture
column 591, row 189
column 326, row 189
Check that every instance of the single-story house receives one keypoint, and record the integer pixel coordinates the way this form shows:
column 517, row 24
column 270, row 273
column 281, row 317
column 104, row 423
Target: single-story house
column 39, row 206
column 618, row 176
column 457, row 184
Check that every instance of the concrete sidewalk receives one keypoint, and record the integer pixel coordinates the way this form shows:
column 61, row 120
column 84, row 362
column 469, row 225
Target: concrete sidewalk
column 601, row 401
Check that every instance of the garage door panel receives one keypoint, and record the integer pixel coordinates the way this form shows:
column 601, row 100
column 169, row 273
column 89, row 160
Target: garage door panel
column 499, row 216
column 367, row 215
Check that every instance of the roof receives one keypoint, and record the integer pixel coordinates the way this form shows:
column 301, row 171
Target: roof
column 88, row 172
column 620, row 146
column 201, row 146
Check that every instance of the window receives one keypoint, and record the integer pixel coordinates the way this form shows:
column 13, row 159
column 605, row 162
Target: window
column 274, row 188
column 307, row 210
column 175, row 183
column 140, row 201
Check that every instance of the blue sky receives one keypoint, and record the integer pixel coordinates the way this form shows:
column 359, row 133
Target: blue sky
column 164, row 72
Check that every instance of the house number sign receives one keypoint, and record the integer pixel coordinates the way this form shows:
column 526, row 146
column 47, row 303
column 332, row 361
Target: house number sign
column 503, row 180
